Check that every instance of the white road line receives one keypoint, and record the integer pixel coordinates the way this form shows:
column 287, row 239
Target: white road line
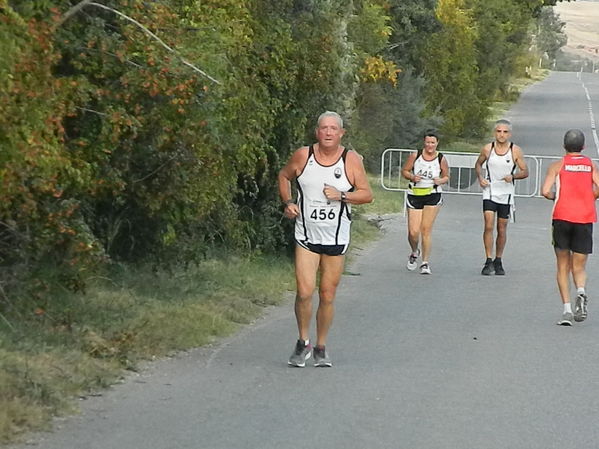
column 591, row 115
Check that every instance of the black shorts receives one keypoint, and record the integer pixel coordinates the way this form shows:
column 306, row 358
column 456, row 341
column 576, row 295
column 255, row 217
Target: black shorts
column 503, row 210
column 327, row 250
column 418, row 202
column 576, row 237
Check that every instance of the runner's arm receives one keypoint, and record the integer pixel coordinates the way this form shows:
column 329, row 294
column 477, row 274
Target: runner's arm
column 287, row 174
column 595, row 181
column 444, row 178
column 550, row 177
column 478, row 166
column 521, row 163
column 408, row 167
column 361, row 193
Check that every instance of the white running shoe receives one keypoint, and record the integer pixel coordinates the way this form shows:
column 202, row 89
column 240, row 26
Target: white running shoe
column 566, row 319
column 425, row 269
column 412, row 260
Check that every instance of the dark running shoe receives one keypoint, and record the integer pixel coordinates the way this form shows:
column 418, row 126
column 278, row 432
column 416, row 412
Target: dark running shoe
column 580, row 307
column 488, row 268
column 499, row 271
column 321, row 358
column 301, row 353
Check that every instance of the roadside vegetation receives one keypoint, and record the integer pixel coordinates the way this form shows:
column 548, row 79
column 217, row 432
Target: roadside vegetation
column 81, row 343
column 139, row 147
column 84, row 343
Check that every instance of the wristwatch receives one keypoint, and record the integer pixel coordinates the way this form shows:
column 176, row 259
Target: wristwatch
column 343, row 197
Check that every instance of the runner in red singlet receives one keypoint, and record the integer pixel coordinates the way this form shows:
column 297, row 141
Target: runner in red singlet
column 576, row 180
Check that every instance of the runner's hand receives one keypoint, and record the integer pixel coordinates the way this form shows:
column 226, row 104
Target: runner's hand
column 331, row 193
column 291, row 210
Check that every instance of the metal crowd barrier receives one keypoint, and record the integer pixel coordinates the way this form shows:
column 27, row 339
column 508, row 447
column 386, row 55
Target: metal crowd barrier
column 463, row 180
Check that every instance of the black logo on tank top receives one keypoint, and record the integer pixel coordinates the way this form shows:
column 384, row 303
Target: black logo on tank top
column 337, row 173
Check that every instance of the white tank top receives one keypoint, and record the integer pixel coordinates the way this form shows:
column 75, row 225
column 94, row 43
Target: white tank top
column 498, row 167
column 322, row 221
column 427, row 170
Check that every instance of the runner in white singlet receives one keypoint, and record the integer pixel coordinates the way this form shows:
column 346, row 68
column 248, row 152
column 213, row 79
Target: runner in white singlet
column 329, row 179
column 497, row 169
column 322, row 221
column 426, row 170
column 500, row 159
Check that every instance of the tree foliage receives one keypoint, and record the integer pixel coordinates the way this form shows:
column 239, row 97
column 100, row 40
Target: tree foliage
column 451, row 69
column 143, row 131
column 549, row 36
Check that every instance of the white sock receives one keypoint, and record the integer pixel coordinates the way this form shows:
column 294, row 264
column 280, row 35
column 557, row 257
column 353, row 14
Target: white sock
column 567, row 308
column 580, row 291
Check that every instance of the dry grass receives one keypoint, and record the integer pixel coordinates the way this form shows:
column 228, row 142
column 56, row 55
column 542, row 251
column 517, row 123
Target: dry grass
column 83, row 343
column 582, row 27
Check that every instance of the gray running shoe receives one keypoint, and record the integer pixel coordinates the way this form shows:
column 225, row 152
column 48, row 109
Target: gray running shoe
column 488, row 268
column 301, row 353
column 566, row 319
column 321, row 358
column 425, row 269
column 580, row 307
column 412, row 259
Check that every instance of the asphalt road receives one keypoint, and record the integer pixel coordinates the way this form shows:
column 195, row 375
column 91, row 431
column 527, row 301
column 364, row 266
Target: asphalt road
column 451, row 360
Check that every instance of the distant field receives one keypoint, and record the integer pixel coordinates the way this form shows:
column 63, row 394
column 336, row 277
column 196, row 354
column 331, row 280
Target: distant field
column 582, row 26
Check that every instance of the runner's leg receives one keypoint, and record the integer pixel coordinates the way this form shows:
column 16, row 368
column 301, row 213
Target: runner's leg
column 306, row 267
column 414, row 223
column 564, row 262
column 331, row 269
column 501, row 236
column 579, row 274
column 429, row 214
column 489, row 221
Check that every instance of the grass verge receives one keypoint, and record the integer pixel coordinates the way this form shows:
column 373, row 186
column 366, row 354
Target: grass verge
column 384, row 202
column 78, row 344
column 81, row 343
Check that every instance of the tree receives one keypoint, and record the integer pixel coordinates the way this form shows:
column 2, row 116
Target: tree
column 503, row 36
column 412, row 22
column 550, row 36
column 451, row 72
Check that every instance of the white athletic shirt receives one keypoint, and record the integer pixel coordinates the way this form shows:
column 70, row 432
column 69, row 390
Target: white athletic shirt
column 498, row 167
column 322, row 221
column 427, row 170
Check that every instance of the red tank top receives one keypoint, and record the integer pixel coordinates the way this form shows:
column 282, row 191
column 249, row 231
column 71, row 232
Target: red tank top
column 574, row 197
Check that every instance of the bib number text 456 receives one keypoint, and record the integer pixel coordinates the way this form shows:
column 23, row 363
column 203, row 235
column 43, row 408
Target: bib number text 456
column 322, row 214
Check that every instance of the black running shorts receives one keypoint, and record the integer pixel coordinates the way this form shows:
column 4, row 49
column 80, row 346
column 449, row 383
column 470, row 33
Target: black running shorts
column 576, row 237
column 327, row 250
column 418, row 202
column 503, row 210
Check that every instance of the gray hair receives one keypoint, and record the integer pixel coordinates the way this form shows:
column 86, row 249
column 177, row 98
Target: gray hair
column 503, row 122
column 574, row 140
column 330, row 114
